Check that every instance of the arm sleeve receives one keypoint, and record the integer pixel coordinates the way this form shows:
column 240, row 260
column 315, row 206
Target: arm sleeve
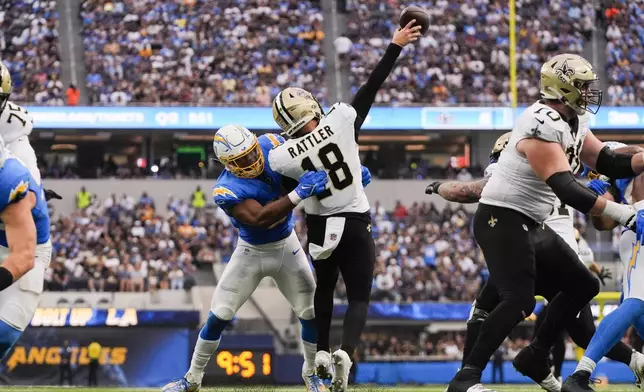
column 367, row 94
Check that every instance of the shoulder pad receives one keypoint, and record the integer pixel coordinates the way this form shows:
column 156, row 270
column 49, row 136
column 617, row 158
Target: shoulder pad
column 276, row 156
column 543, row 123
column 224, row 196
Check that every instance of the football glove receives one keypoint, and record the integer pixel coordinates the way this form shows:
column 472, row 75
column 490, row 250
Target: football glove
column 50, row 194
column 311, row 184
column 598, row 186
column 433, row 188
column 366, row 176
column 603, row 274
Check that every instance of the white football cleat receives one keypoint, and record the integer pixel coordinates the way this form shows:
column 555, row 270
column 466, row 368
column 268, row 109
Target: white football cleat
column 341, row 368
column 185, row 384
column 323, row 365
column 637, row 366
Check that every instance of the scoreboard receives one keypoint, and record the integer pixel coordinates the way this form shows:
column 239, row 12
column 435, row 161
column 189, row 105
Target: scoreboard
column 242, row 359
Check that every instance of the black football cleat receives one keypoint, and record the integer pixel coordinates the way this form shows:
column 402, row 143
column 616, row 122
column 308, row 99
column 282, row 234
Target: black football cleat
column 467, row 380
column 535, row 364
column 577, row 382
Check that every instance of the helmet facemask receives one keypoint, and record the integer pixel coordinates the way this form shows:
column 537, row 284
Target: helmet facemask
column 249, row 164
column 590, row 99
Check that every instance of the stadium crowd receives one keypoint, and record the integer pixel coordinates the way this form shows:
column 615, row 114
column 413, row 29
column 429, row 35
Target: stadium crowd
column 467, row 45
column 201, row 51
column 124, row 244
column 244, row 51
column 31, row 50
column 624, row 52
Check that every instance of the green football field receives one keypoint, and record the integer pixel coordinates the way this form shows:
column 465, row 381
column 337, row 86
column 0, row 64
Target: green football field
column 506, row 388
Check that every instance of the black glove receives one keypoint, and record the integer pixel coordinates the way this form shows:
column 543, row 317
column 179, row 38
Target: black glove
column 49, row 194
column 432, row 188
column 603, row 274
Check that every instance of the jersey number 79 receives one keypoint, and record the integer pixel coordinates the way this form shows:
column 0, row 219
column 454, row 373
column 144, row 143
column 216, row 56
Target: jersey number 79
column 325, row 154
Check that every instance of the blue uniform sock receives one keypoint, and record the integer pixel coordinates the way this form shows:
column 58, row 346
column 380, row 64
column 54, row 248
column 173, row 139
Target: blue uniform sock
column 213, row 328
column 309, row 344
column 613, row 327
column 8, row 337
column 309, row 331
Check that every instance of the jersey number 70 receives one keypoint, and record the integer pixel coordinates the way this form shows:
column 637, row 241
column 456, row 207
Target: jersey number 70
column 338, row 164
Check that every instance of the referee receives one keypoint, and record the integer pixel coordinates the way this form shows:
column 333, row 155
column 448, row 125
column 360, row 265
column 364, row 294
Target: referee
column 94, row 354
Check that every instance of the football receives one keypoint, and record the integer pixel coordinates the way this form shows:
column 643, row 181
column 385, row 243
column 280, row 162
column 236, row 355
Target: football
column 413, row 12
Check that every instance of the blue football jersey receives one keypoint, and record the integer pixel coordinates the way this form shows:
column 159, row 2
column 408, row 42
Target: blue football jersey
column 230, row 190
column 15, row 183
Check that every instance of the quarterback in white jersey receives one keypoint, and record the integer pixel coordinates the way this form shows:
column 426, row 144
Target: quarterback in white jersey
column 338, row 220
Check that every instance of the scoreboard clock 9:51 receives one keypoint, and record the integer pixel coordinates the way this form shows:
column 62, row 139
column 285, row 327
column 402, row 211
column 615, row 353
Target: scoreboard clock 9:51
column 240, row 366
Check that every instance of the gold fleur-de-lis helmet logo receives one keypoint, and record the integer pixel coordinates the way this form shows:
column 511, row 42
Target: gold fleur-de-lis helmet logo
column 564, row 71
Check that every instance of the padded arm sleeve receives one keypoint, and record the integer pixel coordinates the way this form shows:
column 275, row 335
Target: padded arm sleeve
column 571, row 192
column 614, row 164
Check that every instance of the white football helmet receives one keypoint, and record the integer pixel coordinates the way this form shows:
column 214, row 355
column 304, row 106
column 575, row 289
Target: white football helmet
column 238, row 149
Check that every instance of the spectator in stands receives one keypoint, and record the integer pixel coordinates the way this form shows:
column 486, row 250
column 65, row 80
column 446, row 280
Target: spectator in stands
column 73, row 95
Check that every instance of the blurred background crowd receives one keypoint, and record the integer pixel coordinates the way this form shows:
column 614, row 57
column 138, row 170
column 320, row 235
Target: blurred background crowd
column 243, row 51
column 201, row 51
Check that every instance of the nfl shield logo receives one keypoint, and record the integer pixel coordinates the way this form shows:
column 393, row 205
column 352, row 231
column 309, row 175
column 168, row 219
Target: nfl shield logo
column 333, row 237
column 246, row 251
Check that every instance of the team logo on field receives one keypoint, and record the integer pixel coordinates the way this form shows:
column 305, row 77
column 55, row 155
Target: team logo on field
column 333, row 237
column 492, row 221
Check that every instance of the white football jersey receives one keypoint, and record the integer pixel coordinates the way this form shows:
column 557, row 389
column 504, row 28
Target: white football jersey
column 514, row 184
column 15, row 122
column 332, row 147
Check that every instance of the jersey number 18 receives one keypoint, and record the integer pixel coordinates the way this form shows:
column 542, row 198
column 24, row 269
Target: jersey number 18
column 333, row 167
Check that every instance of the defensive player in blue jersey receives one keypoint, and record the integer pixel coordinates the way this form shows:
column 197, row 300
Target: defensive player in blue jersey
column 251, row 193
column 631, row 310
column 25, row 248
